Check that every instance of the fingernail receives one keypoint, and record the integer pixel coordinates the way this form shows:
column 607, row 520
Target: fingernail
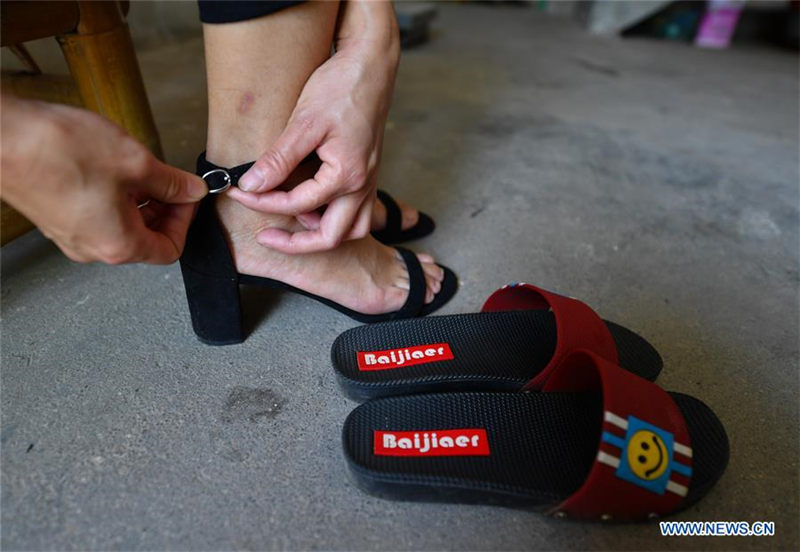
column 251, row 180
column 198, row 188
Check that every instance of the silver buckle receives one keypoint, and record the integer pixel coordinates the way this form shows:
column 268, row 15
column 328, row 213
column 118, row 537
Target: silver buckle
column 225, row 176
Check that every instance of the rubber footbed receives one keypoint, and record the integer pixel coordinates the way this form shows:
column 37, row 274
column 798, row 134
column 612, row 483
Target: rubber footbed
column 542, row 445
column 507, row 348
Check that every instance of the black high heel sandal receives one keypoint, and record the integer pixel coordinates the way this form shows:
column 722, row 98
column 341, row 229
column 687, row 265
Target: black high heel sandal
column 212, row 282
column 393, row 232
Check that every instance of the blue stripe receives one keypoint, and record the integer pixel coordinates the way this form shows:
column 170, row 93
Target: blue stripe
column 613, row 440
column 682, row 469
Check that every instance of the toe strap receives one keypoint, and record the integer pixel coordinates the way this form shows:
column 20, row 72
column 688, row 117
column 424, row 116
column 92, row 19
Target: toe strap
column 643, row 467
column 416, row 284
column 394, row 217
column 577, row 325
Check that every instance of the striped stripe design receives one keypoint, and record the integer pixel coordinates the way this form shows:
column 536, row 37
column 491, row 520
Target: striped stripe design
column 613, row 443
column 615, row 420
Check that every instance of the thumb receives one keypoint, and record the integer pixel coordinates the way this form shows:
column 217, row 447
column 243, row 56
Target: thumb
column 274, row 167
column 170, row 184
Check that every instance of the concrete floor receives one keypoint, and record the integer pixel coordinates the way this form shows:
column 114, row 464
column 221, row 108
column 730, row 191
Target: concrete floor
column 656, row 181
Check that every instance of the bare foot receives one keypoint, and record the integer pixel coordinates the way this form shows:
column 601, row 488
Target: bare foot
column 363, row 275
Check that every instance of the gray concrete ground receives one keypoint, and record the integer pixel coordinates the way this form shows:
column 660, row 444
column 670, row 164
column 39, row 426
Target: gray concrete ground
column 656, row 181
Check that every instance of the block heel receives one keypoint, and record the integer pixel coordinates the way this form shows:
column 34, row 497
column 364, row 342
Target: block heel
column 214, row 307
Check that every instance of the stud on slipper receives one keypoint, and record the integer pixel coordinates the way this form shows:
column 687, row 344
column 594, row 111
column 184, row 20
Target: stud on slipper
column 513, row 344
column 393, row 231
column 597, row 444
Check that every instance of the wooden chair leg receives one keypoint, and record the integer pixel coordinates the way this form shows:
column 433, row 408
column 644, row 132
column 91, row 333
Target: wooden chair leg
column 103, row 63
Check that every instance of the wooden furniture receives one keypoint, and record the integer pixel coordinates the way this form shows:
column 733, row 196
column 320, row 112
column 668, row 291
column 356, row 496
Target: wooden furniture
column 97, row 46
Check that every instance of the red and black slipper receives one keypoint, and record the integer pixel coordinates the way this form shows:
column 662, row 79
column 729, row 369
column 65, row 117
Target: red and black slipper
column 521, row 334
column 599, row 443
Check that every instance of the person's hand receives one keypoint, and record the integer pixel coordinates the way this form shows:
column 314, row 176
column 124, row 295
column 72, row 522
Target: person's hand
column 341, row 114
column 79, row 178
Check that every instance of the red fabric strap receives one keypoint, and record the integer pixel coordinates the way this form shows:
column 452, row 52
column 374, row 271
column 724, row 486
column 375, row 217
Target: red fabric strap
column 577, row 325
column 644, row 460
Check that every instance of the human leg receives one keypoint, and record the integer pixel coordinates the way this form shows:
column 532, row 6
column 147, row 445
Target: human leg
column 256, row 70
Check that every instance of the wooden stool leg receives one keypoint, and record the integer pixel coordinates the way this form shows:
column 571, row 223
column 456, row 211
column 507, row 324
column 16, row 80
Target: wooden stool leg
column 103, row 63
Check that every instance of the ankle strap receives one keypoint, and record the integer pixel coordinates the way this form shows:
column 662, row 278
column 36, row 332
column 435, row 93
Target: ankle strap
column 218, row 178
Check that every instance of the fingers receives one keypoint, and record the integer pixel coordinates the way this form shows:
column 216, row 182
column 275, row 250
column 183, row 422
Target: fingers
column 300, row 137
column 310, row 221
column 155, row 234
column 152, row 212
column 170, row 184
column 363, row 223
column 304, row 198
column 163, row 244
column 333, row 228
column 330, row 181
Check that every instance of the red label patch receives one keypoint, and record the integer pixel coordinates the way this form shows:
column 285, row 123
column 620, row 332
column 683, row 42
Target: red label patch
column 400, row 358
column 441, row 442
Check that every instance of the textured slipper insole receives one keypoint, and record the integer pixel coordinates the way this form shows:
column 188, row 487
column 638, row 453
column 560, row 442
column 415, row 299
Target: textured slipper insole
column 542, row 446
column 498, row 351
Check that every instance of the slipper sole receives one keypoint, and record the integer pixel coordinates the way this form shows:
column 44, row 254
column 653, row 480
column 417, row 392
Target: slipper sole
column 542, row 447
column 492, row 351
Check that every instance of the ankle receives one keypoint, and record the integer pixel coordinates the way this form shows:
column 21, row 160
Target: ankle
column 236, row 143
column 225, row 156
column 239, row 220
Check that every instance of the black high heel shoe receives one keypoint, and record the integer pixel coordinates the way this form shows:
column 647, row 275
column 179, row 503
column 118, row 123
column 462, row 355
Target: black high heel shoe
column 212, row 282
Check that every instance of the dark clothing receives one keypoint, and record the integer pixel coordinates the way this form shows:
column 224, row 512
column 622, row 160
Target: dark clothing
column 228, row 11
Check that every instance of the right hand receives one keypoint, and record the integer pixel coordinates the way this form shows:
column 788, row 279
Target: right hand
column 341, row 114
column 79, row 178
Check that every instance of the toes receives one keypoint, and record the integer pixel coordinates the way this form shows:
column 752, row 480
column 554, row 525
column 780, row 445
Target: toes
column 429, row 293
column 433, row 287
column 410, row 219
column 410, row 216
column 434, row 271
column 434, row 284
column 402, row 283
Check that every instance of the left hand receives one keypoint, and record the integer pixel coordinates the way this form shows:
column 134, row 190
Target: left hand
column 341, row 113
column 79, row 178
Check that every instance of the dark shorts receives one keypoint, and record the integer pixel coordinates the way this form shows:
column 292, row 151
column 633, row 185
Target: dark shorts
column 228, row 11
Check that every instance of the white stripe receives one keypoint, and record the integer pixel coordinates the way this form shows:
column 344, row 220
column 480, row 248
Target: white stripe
column 612, row 418
column 677, row 488
column 682, row 449
column 607, row 459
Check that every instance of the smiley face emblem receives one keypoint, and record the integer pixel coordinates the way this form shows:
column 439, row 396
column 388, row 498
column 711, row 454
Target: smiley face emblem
column 647, row 455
